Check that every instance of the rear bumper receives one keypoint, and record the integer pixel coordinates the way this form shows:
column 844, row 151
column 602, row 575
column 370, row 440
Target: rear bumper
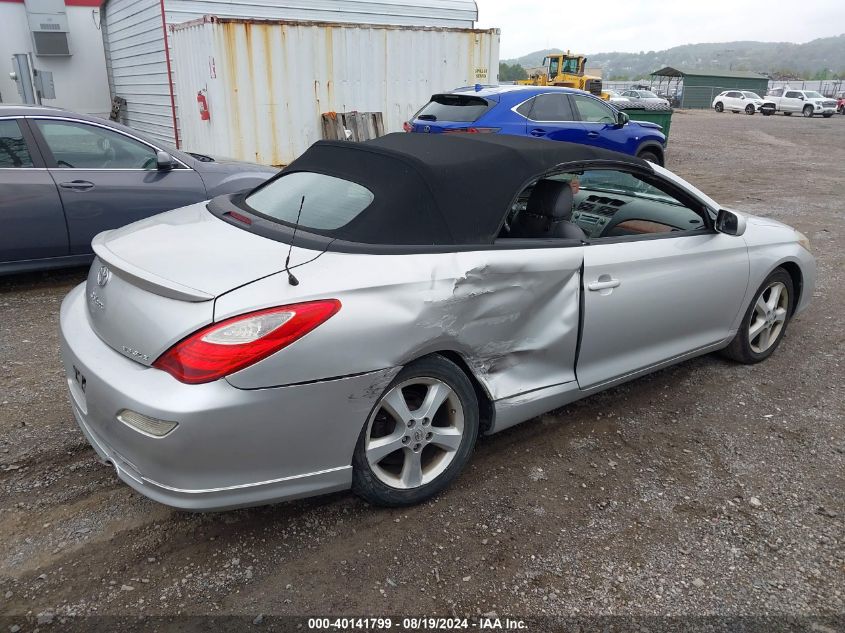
column 232, row 447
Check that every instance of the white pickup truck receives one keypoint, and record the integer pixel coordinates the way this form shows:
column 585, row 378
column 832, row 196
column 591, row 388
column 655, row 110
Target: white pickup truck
column 807, row 102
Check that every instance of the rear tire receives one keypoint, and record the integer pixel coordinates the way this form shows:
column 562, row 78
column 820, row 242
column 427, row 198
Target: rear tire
column 764, row 324
column 429, row 417
column 719, row 107
column 807, row 112
column 749, row 109
column 787, row 114
column 828, row 115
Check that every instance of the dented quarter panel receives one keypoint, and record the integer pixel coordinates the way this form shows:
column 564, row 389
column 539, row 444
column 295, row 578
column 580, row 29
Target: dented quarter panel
column 511, row 314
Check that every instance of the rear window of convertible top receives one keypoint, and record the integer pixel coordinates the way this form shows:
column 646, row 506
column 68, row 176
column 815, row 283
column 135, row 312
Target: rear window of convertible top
column 329, row 202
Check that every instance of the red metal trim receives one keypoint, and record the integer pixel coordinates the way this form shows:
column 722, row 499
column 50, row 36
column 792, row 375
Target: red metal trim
column 169, row 76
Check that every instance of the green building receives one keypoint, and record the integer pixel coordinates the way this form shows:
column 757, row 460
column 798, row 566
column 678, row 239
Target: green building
column 698, row 88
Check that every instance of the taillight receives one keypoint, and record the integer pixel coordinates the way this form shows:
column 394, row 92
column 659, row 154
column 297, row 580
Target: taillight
column 223, row 348
column 407, row 126
column 472, row 130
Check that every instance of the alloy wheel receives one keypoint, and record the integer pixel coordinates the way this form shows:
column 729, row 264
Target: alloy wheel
column 769, row 317
column 414, row 433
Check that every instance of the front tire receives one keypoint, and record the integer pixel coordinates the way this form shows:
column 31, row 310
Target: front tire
column 807, row 112
column 828, row 115
column 419, row 436
column 650, row 156
column 749, row 109
column 719, row 107
column 765, row 321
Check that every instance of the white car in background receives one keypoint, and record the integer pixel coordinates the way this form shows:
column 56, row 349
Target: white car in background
column 807, row 102
column 738, row 101
column 616, row 97
column 646, row 96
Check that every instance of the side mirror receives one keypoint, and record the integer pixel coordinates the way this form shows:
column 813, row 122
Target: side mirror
column 730, row 223
column 622, row 118
column 164, row 161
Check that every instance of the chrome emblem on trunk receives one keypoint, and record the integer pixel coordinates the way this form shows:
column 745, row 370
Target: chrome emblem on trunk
column 103, row 276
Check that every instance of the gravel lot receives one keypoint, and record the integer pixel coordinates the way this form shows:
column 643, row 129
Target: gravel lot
column 708, row 488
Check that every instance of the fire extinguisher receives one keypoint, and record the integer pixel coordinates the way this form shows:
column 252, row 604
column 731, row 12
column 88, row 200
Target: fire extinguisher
column 205, row 114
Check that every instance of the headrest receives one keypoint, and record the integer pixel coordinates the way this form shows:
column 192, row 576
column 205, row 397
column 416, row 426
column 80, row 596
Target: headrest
column 551, row 199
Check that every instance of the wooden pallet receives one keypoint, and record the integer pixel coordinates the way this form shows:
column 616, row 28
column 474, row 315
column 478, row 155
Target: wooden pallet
column 361, row 125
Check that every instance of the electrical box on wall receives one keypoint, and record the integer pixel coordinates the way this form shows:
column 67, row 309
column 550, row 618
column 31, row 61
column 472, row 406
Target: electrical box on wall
column 48, row 24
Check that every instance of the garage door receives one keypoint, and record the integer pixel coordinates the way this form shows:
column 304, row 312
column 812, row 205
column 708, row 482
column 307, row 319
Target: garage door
column 137, row 65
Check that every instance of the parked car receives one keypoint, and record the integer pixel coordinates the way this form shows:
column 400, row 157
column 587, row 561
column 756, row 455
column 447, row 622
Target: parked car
column 615, row 97
column 807, row 102
column 646, row 96
column 64, row 177
column 554, row 113
column 840, row 102
column 360, row 319
column 739, row 101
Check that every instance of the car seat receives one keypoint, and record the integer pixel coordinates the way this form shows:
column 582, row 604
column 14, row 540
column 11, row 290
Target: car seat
column 548, row 213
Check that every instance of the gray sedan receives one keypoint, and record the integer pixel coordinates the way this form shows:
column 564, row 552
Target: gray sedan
column 360, row 319
column 65, row 177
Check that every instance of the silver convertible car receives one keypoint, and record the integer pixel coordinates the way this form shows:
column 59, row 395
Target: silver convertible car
column 358, row 320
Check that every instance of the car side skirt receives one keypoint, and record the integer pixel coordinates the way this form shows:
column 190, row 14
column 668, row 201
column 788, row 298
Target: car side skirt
column 523, row 407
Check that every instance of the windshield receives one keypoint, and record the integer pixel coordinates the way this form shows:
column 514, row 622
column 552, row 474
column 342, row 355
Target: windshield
column 751, row 95
column 329, row 202
column 813, row 95
column 457, row 108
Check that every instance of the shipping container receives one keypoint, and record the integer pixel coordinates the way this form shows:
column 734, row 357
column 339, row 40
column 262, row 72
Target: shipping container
column 138, row 53
column 267, row 83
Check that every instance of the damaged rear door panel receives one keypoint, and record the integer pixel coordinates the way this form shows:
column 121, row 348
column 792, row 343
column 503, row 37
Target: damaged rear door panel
column 511, row 314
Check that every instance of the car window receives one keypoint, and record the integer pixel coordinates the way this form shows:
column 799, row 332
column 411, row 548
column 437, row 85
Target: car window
column 327, row 202
column 751, row 95
column 793, row 95
column 13, row 149
column 593, row 110
column 457, row 108
column 646, row 94
column 551, row 107
column 605, row 204
column 525, row 108
column 811, row 94
column 732, row 94
column 82, row 146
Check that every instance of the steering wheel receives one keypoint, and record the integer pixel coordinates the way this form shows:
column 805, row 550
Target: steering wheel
column 64, row 163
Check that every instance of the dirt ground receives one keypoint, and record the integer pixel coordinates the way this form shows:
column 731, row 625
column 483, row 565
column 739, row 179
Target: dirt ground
column 709, row 488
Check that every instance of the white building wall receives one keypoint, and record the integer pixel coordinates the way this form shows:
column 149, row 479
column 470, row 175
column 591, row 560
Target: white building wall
column 81, row 80
column 135, row 41
column 268, row 83
column 137, row 63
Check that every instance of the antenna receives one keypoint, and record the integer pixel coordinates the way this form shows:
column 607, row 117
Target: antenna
column 293, row 281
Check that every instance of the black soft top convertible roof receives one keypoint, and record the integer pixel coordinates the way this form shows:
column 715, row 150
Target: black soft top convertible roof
column 439, row 189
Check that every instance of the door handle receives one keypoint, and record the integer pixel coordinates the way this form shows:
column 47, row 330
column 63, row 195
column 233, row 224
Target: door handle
column 593, row 134
column 537, row 132
column 77, row 185
column 604, row 284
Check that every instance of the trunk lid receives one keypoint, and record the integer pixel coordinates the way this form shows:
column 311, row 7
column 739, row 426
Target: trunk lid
column 155, row 281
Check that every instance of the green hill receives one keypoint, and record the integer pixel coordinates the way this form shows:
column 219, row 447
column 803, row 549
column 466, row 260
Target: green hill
column 822, row 58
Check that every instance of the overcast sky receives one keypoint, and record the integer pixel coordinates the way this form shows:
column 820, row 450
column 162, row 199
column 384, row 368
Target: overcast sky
column 644, row 25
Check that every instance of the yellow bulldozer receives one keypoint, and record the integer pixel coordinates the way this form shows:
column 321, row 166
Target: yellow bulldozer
column 567, row 70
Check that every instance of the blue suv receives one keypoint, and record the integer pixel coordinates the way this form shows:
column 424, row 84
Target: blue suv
column 558, row 114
